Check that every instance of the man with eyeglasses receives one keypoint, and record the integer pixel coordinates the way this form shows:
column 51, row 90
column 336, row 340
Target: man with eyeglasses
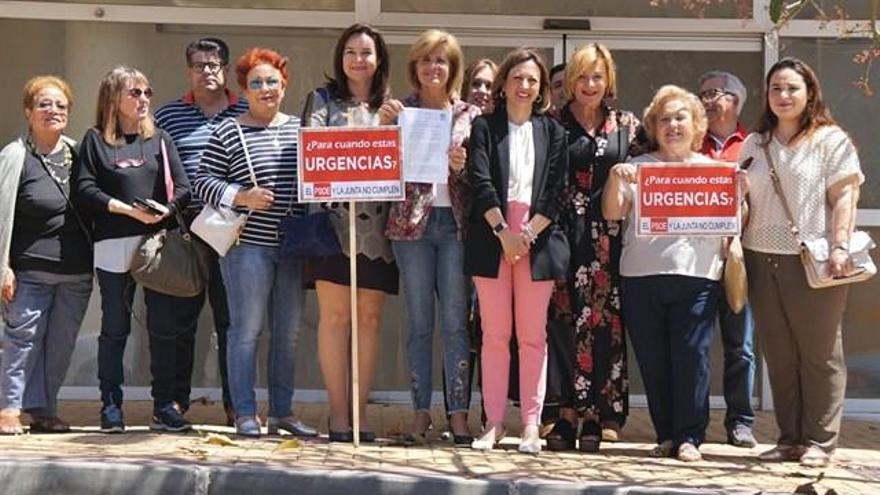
column 724, row 95
column 190, row 120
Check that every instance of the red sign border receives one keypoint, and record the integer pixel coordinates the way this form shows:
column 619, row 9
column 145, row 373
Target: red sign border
column 637, row 203
column 299, row 161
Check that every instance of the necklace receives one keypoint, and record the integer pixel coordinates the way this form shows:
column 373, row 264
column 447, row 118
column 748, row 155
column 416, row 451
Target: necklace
column 276, row 138
column 50, row 165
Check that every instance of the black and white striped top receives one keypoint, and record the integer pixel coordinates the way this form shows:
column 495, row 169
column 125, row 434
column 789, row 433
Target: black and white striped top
column 273, row 154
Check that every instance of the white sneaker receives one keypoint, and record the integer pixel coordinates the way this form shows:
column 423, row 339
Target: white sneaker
column 531, row 440
column 490, row 436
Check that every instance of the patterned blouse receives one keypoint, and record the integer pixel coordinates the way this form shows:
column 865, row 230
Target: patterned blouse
column 323, row 109
column 409, row 218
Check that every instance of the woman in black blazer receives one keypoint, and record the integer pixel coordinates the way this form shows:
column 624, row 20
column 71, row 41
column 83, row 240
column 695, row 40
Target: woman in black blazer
column 514, row 249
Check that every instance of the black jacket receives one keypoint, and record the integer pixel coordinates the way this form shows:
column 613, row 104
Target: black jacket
column 489, row 168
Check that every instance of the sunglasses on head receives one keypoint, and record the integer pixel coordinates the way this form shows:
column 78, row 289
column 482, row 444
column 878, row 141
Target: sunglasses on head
column 137, row 92
column 268, row 83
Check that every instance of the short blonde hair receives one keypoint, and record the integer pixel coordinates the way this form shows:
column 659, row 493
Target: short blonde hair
column 39, row 83
column 110, row 93
column 428, row 42
column 584, row 59
column 670, row 93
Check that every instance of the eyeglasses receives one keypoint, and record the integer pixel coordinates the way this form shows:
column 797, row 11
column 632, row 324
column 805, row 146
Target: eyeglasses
column 137, row 92
column 713, row 94
column 211, row 66
column 46, row 105
column 268, row 83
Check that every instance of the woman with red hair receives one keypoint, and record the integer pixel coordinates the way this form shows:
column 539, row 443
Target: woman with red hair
column 250, row 165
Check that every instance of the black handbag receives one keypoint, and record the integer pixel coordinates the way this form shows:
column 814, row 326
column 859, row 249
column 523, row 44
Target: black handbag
column 309, row 235
column 172, row 261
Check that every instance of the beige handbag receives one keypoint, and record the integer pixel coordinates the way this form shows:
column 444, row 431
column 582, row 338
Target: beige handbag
column 816, row 254
column 736, row 283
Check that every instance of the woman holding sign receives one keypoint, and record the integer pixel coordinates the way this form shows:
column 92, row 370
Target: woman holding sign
column 426, row 231
column 514, row 247
column 818, row 171
column 359, row 86
column 670, row 284
column 251, row 164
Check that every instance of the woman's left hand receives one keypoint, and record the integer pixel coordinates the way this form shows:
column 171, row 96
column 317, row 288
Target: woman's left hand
column 457, row 158
column 839, row 263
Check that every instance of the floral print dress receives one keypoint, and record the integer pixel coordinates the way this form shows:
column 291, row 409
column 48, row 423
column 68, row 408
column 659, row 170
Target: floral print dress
column 591, row 304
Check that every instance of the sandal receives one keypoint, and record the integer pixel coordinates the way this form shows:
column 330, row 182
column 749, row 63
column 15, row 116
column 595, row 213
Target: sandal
column 610, row 431
column 10, row 422
column 562, row 436
column 663, row 449
column 49, row 425
column 591, row 437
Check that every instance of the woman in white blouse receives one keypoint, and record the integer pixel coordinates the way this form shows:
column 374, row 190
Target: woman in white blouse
column 670, row 284
column 818, row 169
column 514, row 249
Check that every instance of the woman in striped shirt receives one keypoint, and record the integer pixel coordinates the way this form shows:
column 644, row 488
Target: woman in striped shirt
column 250, row 164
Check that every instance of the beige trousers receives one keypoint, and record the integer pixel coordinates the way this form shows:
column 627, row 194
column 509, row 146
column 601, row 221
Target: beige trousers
column 800, row 332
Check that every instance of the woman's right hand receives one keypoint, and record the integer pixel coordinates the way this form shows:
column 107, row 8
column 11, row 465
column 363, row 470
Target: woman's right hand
column 8, row 278
column 389, row 111
column 625, row 172
column 255, row 198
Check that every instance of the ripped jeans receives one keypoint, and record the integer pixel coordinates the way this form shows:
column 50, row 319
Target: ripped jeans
column 434, row 266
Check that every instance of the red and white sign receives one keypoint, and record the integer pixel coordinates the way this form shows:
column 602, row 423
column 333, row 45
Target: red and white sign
column 350, row 164
column 687, row 199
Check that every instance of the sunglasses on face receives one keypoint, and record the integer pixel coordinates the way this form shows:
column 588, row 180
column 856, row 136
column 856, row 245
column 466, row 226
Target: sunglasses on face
column 212, row 67
column 137, row 92
column 268, row 83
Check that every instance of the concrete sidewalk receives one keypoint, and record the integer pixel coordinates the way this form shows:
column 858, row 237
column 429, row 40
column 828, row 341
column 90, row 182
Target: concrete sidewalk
column 142, row 462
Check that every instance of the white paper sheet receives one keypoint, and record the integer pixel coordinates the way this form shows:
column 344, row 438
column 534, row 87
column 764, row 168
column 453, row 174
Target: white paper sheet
column 427, row 134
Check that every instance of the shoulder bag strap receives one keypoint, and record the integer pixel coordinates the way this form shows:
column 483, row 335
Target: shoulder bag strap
column 169, row 189
column 79, row 220
column 777, row 186
column 247, row 154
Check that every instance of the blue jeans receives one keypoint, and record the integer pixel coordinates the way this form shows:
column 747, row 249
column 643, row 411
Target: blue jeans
column 737, row 336
column 117, row 296
column 670, row 319
column 42, row 323
column 262, row 287
column 434, row 265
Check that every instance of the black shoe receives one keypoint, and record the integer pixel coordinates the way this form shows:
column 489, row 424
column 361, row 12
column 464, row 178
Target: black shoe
column 366, row 436
column 591, row 437
column 462, row 439
column 562, row 436
column 111, row 419
column 168, row 418
column 341, row 436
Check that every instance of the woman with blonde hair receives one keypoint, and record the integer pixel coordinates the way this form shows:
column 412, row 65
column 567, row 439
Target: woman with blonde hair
column 670, row 284
column 476, row 88
column 592, row 368
column 120, row 168
column 45, row 258
column 426, row 231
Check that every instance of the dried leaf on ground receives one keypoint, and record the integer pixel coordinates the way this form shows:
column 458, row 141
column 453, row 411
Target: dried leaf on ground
column 221, row 440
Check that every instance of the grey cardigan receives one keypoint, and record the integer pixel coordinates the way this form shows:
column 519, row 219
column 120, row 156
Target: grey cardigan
column 11, row 163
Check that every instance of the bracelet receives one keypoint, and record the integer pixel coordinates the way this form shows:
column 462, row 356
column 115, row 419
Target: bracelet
column 529, row 233
column 840, row 247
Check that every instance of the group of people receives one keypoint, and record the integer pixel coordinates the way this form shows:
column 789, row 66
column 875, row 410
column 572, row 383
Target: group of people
column 532, row 237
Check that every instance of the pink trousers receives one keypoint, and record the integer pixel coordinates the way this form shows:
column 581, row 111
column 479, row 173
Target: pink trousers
column 514, row 294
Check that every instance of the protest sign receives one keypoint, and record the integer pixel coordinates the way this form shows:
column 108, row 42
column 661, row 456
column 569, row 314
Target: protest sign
column 687, row 199
column 350, row 164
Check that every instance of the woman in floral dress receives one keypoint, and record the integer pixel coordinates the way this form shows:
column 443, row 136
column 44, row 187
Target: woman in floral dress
column 599, row 136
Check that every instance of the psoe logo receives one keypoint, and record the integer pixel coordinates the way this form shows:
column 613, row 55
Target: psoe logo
column 322, row 190
column 659, row 225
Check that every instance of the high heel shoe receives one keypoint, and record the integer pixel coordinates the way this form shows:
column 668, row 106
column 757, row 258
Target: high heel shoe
column 531, row 440
column 490, row 436
column 339, row 436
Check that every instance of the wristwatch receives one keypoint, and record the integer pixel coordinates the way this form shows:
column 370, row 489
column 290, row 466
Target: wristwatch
column 498, row 228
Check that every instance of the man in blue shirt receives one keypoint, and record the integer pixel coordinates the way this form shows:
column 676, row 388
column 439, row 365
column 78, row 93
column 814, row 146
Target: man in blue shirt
column 190, row 120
